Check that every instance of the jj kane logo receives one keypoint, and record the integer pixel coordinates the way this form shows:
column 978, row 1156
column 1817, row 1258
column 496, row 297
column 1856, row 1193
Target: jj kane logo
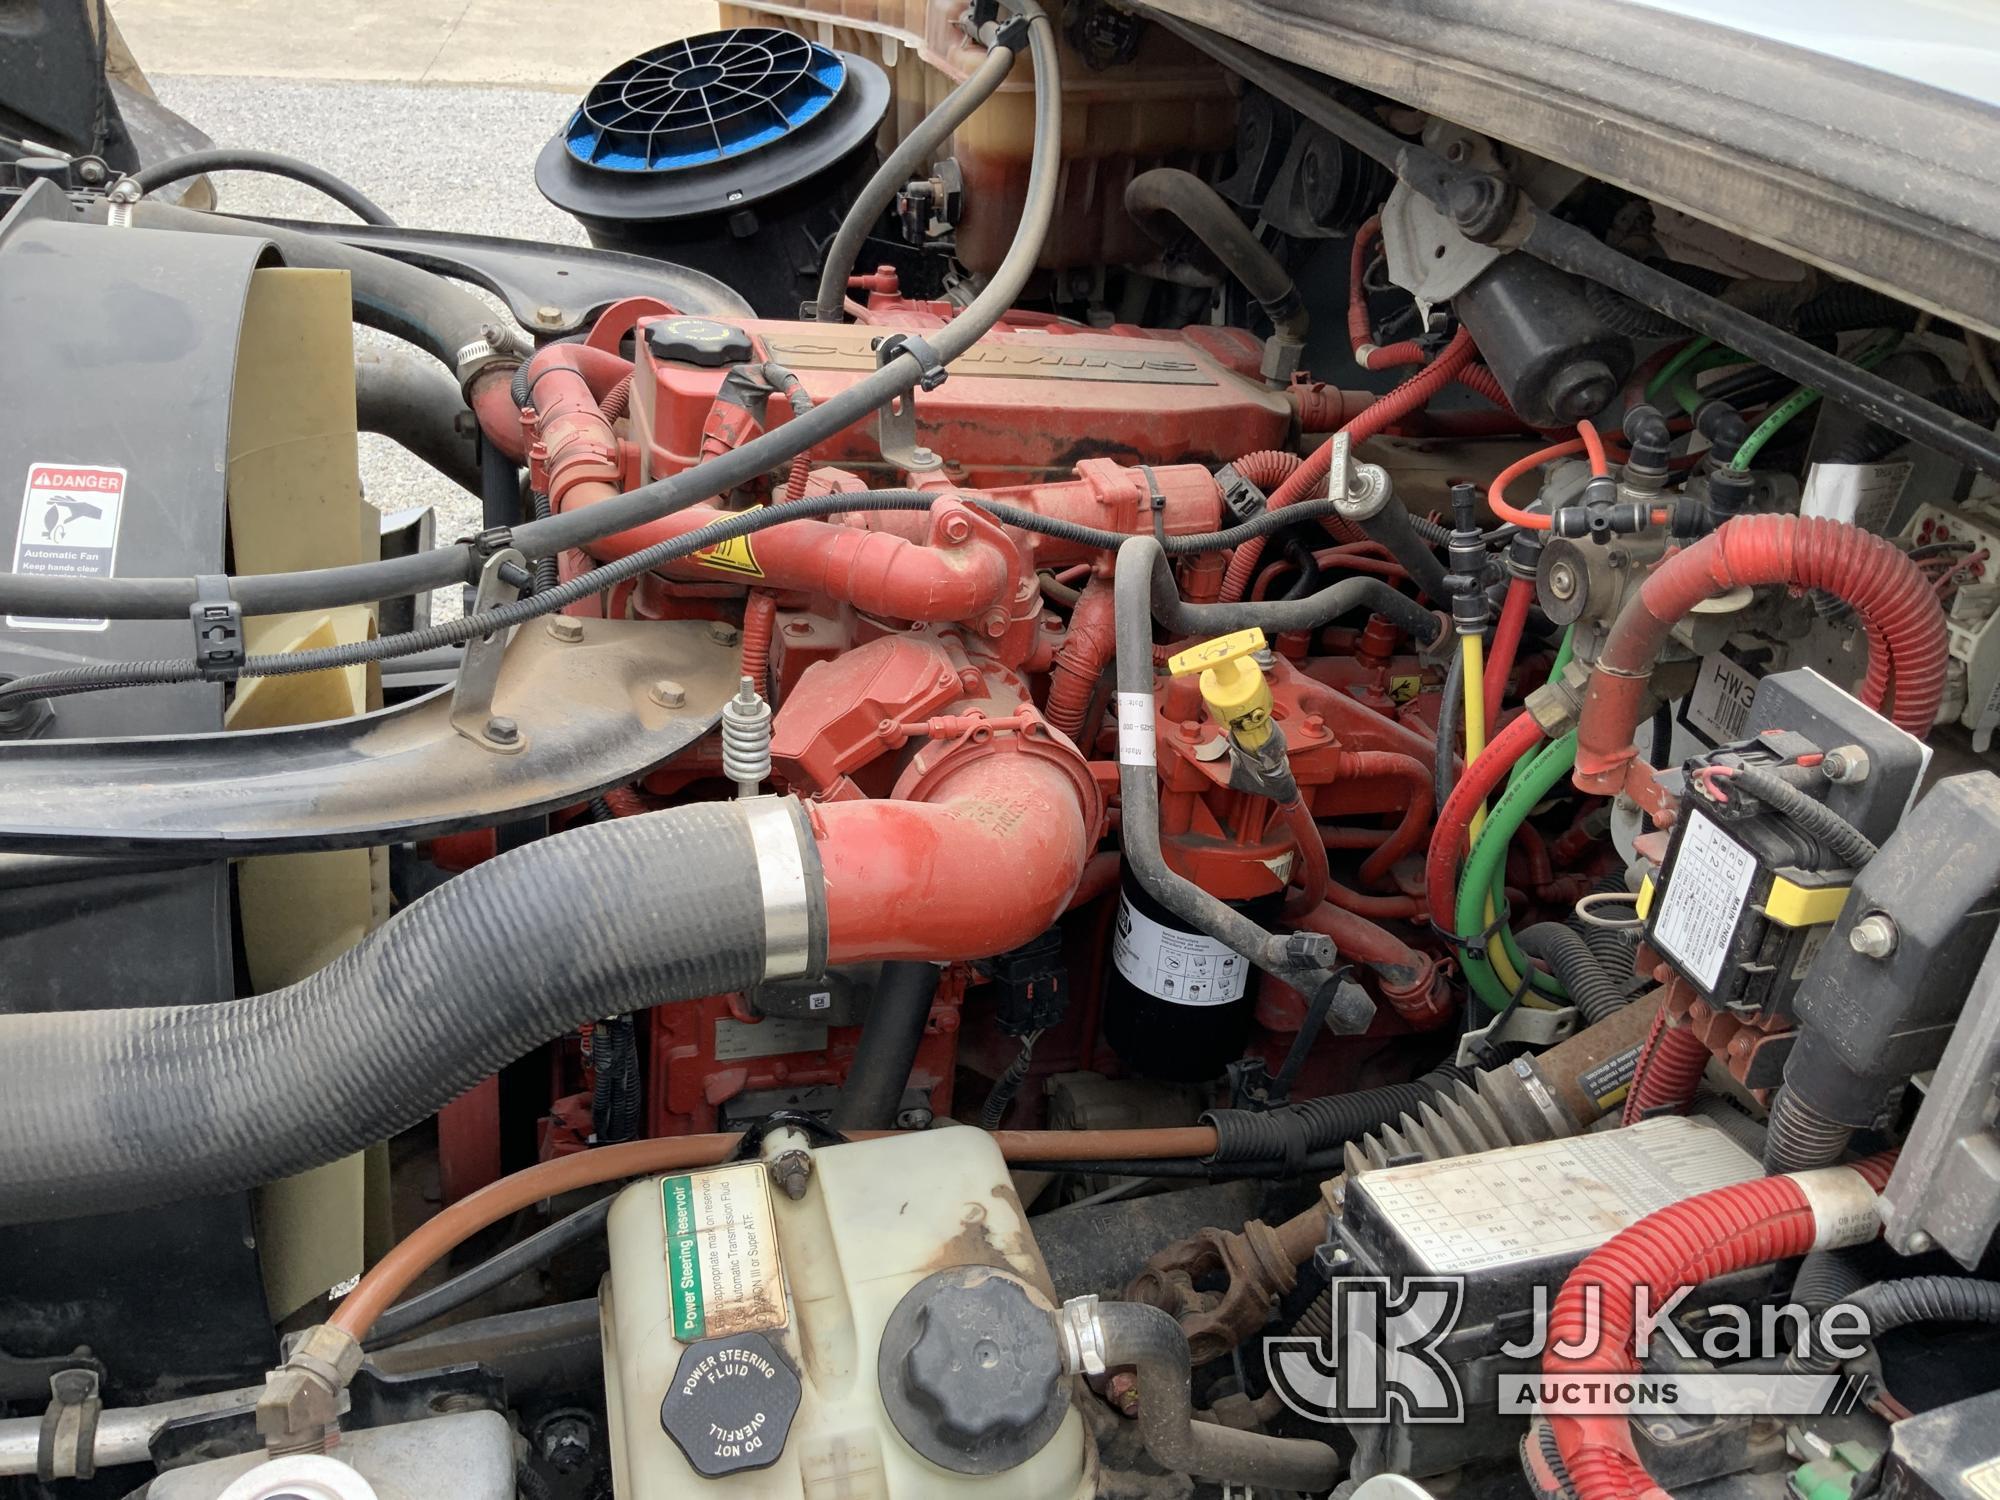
column 1386, row 1356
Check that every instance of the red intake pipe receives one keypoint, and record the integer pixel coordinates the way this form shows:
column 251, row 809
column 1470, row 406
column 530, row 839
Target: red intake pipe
column 984, row 863
column 1899, row 612
column 1685, row 1244
column 959, row 578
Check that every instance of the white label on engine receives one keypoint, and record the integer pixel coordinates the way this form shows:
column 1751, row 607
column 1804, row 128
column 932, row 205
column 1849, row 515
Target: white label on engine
column 69, row 529
column 1552, row 1198
column 1864, row 494
column 774, row 1036
column 1135, row 730
column 1182, row 968
column 1719, row 706
column 1706, row 889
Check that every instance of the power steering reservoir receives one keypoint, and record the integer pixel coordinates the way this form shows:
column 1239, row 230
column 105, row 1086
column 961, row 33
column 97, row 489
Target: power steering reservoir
column 866, row 1321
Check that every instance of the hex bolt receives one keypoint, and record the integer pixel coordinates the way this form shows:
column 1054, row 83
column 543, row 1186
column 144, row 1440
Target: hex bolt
column 1874, row 936
column 1919, row 1243
column 957, row 529
column 1846, row 764
column 548, row 315
column 668, row 693
column 563, row 628
column 1562, row 580
column 502, row 730
column 792, row 1171
column 722, row 633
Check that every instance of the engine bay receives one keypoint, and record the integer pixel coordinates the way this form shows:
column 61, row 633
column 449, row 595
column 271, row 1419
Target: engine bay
column 1151, row 776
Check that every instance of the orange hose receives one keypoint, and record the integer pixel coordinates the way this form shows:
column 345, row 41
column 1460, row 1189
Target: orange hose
column 393, row 1275
column 1593, row 445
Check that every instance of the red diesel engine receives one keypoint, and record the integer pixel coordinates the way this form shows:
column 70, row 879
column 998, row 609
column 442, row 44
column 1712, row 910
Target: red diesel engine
column 942, row 677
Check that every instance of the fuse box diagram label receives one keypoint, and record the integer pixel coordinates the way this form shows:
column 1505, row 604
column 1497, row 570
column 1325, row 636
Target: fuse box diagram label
column 723, row 1272
column 1704, row 900
column 70, row 515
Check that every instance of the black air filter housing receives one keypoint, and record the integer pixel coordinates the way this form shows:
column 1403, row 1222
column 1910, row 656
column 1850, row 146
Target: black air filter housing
column 735, row 152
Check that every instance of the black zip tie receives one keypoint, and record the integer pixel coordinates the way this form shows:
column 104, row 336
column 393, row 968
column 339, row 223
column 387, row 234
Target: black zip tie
column 1158, row 502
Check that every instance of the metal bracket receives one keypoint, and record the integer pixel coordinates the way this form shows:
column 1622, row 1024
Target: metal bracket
column 472, row 699
column 68, row 1447
column 896, row 436
column 1518, row 1025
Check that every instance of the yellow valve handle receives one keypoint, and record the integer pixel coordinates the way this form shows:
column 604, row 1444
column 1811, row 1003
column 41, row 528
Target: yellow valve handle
column 1232, row 684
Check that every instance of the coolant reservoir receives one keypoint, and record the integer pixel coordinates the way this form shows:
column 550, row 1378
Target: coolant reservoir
column 884, row 1336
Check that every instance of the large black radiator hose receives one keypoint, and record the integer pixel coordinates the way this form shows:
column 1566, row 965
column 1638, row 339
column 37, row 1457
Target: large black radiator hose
column 114, row 1109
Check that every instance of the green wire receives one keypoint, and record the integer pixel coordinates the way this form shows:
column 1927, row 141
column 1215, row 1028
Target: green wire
column 1674, row 366
column 1686, row 392
column 1486, row 866
column 1797, row 402
column 1479, row 973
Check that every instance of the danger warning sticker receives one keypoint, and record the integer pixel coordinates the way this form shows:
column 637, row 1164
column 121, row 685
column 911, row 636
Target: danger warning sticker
column 732, row 556
column 69, row 529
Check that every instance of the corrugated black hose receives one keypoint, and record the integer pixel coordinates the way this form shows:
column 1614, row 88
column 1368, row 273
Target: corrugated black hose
column 112, row 1109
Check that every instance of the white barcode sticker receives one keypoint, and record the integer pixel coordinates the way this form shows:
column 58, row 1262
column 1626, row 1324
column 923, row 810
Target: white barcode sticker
column 1706, row 889
column 1135, row 730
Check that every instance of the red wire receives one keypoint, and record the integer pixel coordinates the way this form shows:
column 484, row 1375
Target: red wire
column 1520, row 736
column 1506, row 643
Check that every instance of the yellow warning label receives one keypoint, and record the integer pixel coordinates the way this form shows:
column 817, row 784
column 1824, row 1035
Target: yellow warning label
column 1403, row 689
column 732, row 556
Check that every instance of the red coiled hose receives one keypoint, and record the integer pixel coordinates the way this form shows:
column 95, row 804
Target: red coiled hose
column 1267, row 468
column 1078, row 666
column 1412, row 395
column 1684, row 1244
column 760, row 617
column 1668, row 1069
column 1898, row 609
column 1520, row 736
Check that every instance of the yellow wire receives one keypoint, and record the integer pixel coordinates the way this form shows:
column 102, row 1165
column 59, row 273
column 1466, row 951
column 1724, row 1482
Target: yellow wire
column 1473, row 646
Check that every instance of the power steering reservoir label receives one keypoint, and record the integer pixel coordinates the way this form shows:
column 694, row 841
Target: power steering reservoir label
column 1182, row 968
column 723, row 1273
column 69, row 529
column 1703, row 900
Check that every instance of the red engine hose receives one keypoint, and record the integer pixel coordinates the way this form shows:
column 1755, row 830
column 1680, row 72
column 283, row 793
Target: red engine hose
column 1310, row 875
column 1506, row 643
column 1667, row 1071
column 1079, row 665
column 1684, row 1244
column 1412, row 395
column 1520, row 736
column 1359, row 329
column 1416, row 821
column 760, row 618
column 1267, row 468
column 619, row 399
column 1898, row 609
column 1410, row 980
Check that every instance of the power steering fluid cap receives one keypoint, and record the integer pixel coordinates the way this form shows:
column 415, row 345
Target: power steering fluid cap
column 731, row 1405
column 970, row 1370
